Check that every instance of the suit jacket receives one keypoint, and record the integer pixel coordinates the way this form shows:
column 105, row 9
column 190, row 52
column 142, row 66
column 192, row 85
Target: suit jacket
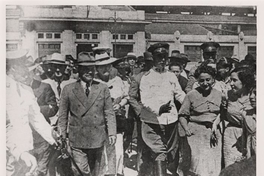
column 91, row 119
column 46, row 99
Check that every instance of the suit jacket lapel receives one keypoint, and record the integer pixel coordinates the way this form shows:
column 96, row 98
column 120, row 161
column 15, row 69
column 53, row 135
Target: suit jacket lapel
column 79, row 93
column 92, row 96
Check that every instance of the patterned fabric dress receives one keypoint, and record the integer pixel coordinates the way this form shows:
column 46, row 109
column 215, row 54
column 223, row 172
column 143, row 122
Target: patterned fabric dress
column 201, row 111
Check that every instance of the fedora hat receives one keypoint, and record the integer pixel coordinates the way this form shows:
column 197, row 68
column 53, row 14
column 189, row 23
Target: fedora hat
column 101, row 50
column 131, row 56
column 17, row 54
column 104, row 59
column 85, row 59
column 55, row 58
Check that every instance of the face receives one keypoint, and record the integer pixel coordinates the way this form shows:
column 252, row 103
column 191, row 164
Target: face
column 222, row 72
column 253, row 97
column 104, row 71
column 160, row 61
column 209, row 55
column 22, row 74
column 131, row 61
column 176, row 70
column 86, row 73
column 205, row 81
column 235, row 83
column 58, row 70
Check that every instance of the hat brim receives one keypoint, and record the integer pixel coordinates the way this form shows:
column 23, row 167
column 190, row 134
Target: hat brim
column 54, row 62
column 30, row 68
column 106, row 62
column 85, row 64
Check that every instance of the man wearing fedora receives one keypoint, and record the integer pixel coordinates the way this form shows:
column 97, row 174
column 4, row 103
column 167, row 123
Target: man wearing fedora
column 158, row 113
column 22, row 114
column 86, row 112
column 101, row 50
column 119, row 96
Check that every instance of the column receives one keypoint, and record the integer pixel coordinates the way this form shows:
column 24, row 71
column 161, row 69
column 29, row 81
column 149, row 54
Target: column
column 242, row 49
column 29, row 41
column 68, row 46
column 140, row 43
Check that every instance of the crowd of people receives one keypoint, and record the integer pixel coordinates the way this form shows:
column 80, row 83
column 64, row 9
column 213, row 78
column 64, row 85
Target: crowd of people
column 67, row 116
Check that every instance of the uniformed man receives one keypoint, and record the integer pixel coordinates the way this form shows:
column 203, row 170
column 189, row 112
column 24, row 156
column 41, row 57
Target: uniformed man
column 158, row 114
column 134, row 111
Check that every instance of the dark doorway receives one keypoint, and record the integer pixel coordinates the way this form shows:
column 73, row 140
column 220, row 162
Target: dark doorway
column 121, row 50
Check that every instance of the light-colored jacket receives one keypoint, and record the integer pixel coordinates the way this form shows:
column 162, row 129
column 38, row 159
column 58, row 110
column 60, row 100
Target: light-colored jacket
column 22, row 111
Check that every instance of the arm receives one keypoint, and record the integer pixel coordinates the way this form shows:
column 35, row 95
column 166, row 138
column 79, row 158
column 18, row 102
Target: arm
column 190, row 84
column 133, row 94
column 50, row 108
column 63, row 112
column 179, row 94
column 184, row 113
column 109, row 113
column 38, row 122
column 216, row 122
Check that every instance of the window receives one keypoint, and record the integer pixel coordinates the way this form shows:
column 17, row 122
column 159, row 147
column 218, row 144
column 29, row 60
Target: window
column 87, row 36
column 193, row 52
column 130, row 37
column 115, row 36
column 123, row 37
column 11, row 47
column 48, row 35
column 94, row 36
column 57, row 36
column 120, row 50
column 78, row 36
column 48, row 48
column 225, row 51
column 40, row 35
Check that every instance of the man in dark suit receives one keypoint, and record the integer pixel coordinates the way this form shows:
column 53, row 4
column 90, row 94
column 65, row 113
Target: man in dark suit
column 48, row 107
column 91, row 120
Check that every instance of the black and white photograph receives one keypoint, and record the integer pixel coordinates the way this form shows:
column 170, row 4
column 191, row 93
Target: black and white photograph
column 131, row 90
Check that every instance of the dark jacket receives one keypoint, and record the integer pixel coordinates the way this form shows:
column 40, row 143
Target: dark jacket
column 46, row 99
column 91, row 119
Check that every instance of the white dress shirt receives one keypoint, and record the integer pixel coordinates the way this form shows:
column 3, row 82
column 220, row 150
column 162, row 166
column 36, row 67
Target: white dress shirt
column 157, row 89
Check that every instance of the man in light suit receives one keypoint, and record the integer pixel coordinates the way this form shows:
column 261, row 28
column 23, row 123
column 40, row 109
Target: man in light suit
column 91, row 120
column 22, row 111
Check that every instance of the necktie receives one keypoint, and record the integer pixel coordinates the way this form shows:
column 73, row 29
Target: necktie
column 59, row 88
column 87, row 90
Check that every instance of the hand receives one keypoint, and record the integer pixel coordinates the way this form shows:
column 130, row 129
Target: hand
column 188, row 132
column 30, row 161
column 165, row 108
column 112, row 140
column 213, row 140
column 116, row 106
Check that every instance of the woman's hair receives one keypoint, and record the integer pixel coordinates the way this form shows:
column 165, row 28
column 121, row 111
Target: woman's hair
column 175, row 64
column 223, row 63
column 204, row 69
column 246, row 76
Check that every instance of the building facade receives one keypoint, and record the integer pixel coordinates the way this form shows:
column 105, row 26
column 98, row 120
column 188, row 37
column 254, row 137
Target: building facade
column 71, row 29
